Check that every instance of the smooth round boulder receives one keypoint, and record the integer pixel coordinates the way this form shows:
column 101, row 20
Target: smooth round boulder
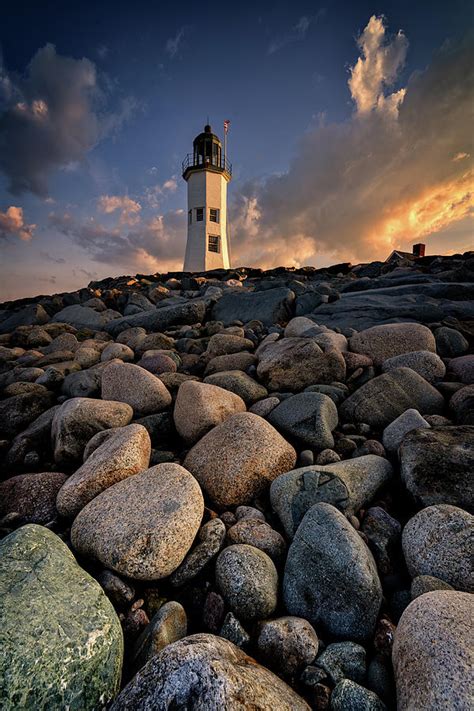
column 259, row 534
column 31, row 496
column 287, row 644
column 394, row 433
column 124, row 452
column 239, row 383
column 432, row 653
column 437, row 541
column 127, row 382
column 392, row 339
column 143, row 526
column 248, row 581
column 206, row 673
column 330, row 576
column 61, row 643
column 425, row 363
column 308, row 417
column 237, row 460
column 117, row 350
column 199, row 407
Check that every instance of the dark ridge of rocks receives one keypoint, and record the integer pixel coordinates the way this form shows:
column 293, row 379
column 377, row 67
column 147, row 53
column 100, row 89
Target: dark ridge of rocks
column 260, row 469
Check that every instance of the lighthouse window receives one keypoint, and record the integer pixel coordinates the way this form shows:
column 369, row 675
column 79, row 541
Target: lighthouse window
column 214, row 243
column 199, row 214
column 214, row 214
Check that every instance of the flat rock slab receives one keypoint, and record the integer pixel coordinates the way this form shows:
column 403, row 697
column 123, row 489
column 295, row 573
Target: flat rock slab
column 206, row 673
column 270, row 306
column 160, row 319
column 61, row 643
column 143, row 526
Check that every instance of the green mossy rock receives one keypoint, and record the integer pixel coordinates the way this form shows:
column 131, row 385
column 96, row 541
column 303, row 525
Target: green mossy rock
column 61, row 644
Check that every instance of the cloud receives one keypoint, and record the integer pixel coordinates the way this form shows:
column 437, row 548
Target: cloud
column 50, row 258
column 154, row 193
column 380, row 180
column 12, row 224
column 173, row 44
column 129, row 209
column 296, row 34
column 157, row 244
column 51, row 118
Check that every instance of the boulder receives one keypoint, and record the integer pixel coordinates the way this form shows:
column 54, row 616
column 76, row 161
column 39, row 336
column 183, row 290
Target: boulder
column 237, row 460
column 344, row 660
column 239, row 383
column 462, row 369
column 201, row 406
column 143, row 391
column 225, row 344
column 437, row 541
column 392, row 339
column 60, row 639
column 143, row 526
column 394, row 433
column 31, row 496
column 117, row 350
column 270, row 306
column 450, row 343
column 124, row 452
column 248, row 581
column 259, row 534
column 287, row 644
column 349, row 485
column 349, row 696
column 85, row 317
column 19, row 411
column 79, row 419
column 384, row 398
column 167, row 626
column 160, row 319
column 432, row 653
column 307, row 417
column 330, row 576
column 425, row 363
column 437, row 465
column 232, row 361
column 36, row 437
column 462, row 405
column 26, row 316
column 206, row 673
column 292, row 364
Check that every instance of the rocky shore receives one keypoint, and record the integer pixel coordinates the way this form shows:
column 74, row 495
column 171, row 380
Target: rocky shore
column 241, row 489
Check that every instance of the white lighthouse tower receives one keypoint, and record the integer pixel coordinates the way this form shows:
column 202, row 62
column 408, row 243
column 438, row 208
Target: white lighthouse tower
column 207, row 172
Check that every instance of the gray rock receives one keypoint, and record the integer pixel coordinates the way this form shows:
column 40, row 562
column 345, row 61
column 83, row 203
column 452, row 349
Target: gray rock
column 287, row 644
column 425, row 363
column 259, row 534
column 126, row 382
column 211, row 538
column 450, row 343
column 432, row 658
column 36, row 437
column 270, row 306
column 237, row 460
column 462, row 369
column 348, row 485
column 117, row 590
column 330, row 576
column 125, row 452
column 61, row 641
column 117, row 350
column 79, row 419
column 462, row 405
column 19, row 411
column 383, row 533
column 233, row 361
column 265, row 406
column 31, row 496
column 226, row 343
column 384, row 398
column 234, row 631
column 427, row 583
column 385, row 341
column 246, row 512
column 28, row 315
column 206, row 673
column 85, row 383
column 248, row 581
column 394, row 433
column 438, row 541
column 160, row 319
column 168, row 625
column 239, row 383
column 344, row 660
column 143, row 526
column 437, row 465
column 292, row 364
column 349, row 696
column 308, row 417
column 85, row 317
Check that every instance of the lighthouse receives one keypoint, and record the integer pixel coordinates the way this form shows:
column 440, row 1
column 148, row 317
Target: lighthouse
column 207, row 172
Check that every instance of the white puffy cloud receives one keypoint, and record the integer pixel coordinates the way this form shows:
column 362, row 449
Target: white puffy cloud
column 129, row 209
column 12, row 224
column 396, row 172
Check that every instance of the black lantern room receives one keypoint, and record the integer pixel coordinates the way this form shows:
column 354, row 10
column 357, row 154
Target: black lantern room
column 207, row 154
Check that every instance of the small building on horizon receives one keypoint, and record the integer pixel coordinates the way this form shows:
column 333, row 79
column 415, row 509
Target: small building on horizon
column 397, row 254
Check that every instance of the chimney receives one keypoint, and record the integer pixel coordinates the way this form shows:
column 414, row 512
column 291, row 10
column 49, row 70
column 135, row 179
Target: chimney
column 419, row 250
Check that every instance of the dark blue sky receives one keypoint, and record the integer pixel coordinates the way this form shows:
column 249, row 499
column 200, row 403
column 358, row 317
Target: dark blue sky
column 272, row 68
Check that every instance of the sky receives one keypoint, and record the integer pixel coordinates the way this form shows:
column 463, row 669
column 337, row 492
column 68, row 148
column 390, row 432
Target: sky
column 351, row 132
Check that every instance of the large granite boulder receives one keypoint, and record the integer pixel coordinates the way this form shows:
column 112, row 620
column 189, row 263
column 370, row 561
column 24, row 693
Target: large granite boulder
column 270, row 306
column 437, row 465
column 61, row 642
column 206, row 673
column 432, row 653
column 85, row 317
column 19, row 411
column 392, row 339
column 130, row 383
column 160, row 319
column 330, row 576
column 348, row 485
column 307, row 417
column 292, row 364
column 31, row 496
column 237, row 460
column 143, row 526
column 123, row 452
column 384, row 398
